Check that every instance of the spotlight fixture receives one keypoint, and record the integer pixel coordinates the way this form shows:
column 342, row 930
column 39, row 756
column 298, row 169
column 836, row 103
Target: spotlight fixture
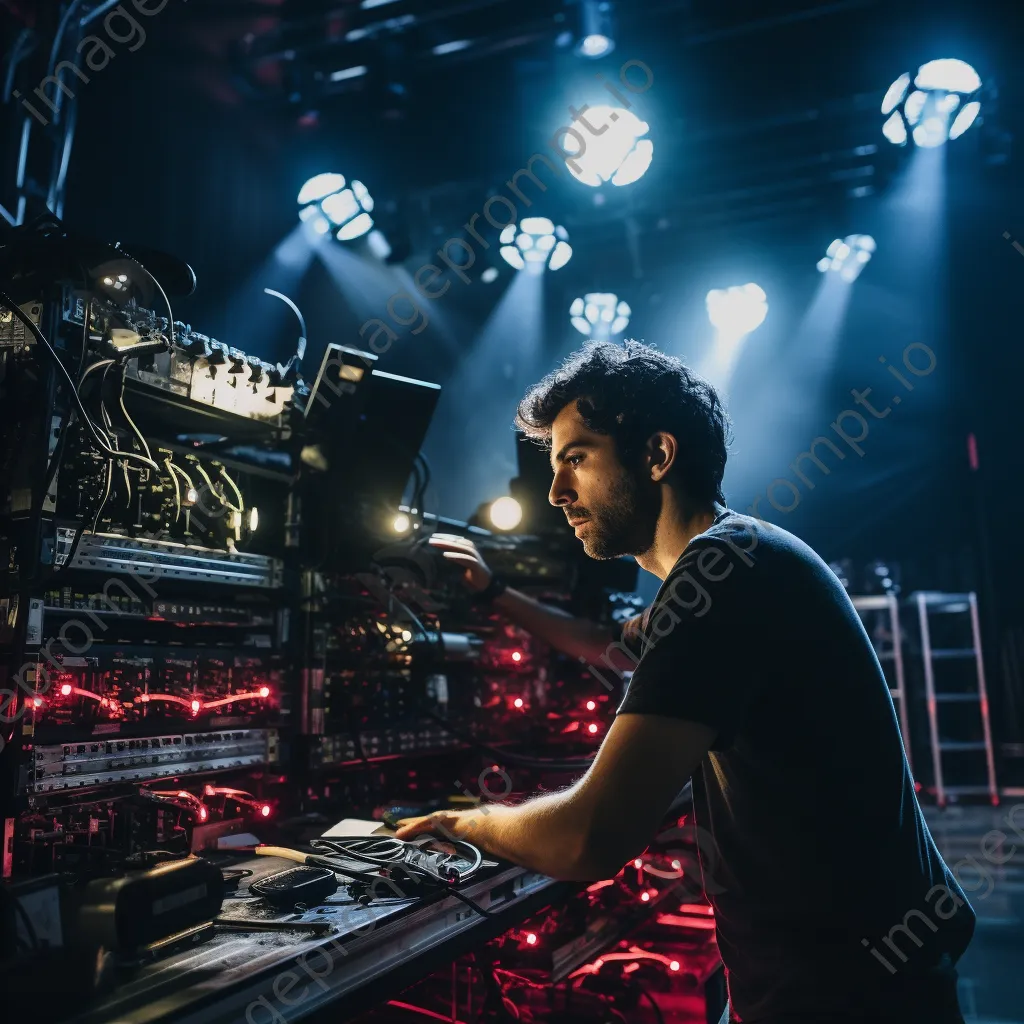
column 847, row 257
column 618, row 153
column 505, row 513
column 737, row 311
column 401, row 523
column 595, row 34
column 939, row 103
column 536, row 243
column 599, row 315
column 328, row 203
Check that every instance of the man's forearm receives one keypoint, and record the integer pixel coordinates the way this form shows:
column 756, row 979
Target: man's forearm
column 579, row 638
column 545, row 834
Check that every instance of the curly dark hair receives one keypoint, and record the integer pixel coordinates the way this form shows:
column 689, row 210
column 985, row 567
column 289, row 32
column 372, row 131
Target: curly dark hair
column 630, row 392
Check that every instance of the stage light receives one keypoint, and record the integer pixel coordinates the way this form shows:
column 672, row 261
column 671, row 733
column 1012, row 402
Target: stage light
column 505, row 513
column 591, row 705
column 531, row 939
column 673, row 965
column 592, row 728
column 265, row 810
column 65, row 690
column 37, row 702
column 939, row 103
column 594, row 29
column 489, row 275
column 195, row 707
column 517, row 656
column 645, row 896
column 535, row 244
column 848, row 257
column 737, row 311
column 518, row 702
column 599, row 315
column 327, row 203
column 264, row 691
column 254, row 519
column 618, row 153
column 595, row 45
column 401, row 523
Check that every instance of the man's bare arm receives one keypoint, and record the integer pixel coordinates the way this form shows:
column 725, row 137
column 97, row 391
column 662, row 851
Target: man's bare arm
column 579, row 638
column 588, row 831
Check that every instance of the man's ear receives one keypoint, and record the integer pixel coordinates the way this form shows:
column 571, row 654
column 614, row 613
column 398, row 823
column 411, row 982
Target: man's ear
column 662, row 452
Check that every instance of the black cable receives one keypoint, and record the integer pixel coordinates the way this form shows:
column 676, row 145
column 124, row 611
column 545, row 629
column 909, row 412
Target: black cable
column 654, row 1005
column 387, row 851
column 10, row 304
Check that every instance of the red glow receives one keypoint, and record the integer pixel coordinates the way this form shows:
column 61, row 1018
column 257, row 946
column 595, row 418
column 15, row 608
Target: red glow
column 518, row 702
column 645, row 896
column 265, row 810
column 37, row 702
column 203, row 814
column 594, row 887
column 65, row 690
column 696, row 908
column 517, row 655
column 674, row 965
column 195, row 707
column 531, row 939
column 638, row 863
column 264, row 691
column 591, row 705
column 592, row 728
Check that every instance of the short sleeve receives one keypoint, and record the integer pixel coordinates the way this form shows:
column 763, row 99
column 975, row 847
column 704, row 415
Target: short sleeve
column 698, row 641
column 633, row 631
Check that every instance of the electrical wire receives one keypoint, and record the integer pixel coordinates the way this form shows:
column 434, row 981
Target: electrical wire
column 131, row 423
column 388, row 851
column 654, row 1005
column 10, row 304
column 238, row 494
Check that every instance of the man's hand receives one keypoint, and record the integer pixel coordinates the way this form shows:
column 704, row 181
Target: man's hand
column 447, row 824
column 464, row 554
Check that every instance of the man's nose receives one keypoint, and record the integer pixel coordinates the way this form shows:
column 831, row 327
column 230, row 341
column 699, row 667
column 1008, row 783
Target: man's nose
column 561, row 493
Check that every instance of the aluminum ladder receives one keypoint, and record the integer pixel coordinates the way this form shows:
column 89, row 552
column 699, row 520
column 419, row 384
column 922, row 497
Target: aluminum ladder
column 891, row 652
column 933, row 603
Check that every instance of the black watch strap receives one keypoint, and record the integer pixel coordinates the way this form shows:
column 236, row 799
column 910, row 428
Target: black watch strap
column 494, row 589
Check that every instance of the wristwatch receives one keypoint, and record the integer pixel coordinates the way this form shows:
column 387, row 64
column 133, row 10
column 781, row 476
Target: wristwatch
column 494, row 589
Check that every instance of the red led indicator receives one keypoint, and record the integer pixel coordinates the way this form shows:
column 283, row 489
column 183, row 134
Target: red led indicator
column 518, row 702
column 531, row 939
column 592, row 728
column 65, row 690
column 591, row 705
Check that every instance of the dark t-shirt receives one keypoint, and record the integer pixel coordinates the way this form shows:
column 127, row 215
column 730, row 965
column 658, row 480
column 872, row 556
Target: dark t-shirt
column 829, row 894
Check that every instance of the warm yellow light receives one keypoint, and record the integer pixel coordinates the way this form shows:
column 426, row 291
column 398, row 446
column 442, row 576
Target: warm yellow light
column 506, row 513
column 401, row 523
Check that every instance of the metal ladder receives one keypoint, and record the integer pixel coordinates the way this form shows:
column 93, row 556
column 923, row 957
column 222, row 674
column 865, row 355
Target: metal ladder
column 955, row 604
column 892, row 652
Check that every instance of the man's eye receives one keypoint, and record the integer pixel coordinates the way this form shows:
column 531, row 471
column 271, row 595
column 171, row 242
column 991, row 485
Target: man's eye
column 574, row 460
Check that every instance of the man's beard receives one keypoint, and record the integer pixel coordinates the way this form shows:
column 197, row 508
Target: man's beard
column 622, row 526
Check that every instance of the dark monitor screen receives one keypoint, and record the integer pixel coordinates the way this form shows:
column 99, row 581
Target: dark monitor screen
column 390, row 431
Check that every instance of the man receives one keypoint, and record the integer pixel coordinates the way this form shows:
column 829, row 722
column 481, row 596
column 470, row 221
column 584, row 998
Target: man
column 756, row 678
